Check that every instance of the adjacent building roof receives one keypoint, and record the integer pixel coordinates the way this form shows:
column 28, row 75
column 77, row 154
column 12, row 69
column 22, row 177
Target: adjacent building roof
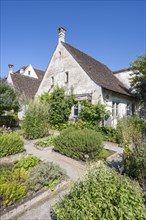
column 97, row 71
column 26, row 86
column 122, row 70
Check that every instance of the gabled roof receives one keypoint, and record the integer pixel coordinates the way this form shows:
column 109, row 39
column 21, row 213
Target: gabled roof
column 97, row 71
column 27, row 86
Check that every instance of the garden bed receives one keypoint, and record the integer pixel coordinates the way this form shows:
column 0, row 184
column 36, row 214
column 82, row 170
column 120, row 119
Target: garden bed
column 27, row 178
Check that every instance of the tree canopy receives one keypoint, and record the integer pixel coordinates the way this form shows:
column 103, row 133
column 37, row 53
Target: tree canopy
column 8, row 99
column 138, row 80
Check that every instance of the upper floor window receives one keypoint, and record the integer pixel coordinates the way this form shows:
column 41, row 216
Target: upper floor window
column 29, row 72
column 52, row 81
column 66, row 77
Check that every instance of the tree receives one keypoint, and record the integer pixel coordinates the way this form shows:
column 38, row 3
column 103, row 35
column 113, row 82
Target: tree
column 138, row 80
column 8, row 99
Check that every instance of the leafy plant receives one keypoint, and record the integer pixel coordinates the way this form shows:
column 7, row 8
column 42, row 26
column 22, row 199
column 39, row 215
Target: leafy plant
column 59, row 106
column 35, row 122
column 93, row 114
column 27, row 162
column 44, row 175
column 10, row 192
column 10, row 143
column 133, row 135
column 77, row 143
column 102, row 194
column 46, row 142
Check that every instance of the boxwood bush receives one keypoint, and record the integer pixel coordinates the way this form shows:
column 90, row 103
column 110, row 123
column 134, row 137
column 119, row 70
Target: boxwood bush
column 102, row 194
column 77, row 143
column 10, row 143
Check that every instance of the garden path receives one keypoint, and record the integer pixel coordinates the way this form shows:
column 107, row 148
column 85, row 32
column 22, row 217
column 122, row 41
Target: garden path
column 73, row 168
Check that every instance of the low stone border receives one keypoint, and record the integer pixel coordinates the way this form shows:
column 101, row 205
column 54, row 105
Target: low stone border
column 12, row 158
column 27, row 203
column 113, row 156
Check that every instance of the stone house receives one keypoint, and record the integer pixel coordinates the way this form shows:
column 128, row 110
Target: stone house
column 90, row 79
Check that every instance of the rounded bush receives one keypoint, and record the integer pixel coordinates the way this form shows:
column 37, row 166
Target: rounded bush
column 102, row 194
column 10, row 143
column 79, row 143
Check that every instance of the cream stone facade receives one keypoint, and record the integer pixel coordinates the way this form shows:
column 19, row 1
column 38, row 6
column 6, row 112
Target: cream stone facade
column 64, row 70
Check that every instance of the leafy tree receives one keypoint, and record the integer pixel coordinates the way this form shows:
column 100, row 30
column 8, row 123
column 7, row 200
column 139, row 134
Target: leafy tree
column 59, row 106
column 93, row 114
column 138, row 80
column 8, row 99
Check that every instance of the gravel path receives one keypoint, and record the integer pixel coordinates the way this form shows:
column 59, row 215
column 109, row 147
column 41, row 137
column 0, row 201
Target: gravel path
column 74, row 169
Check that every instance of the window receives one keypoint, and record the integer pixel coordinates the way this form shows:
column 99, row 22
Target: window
column 115, row 109
column 128, row 109
column 52, row 81
column 76, row 109
column 29, row 72
column 66, row 77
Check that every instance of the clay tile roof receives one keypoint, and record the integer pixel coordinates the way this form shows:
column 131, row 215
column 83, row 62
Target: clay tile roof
column 27, row 86
column 97, row 71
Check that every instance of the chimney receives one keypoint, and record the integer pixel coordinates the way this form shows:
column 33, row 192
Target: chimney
column 10, row 68
column 61, row 34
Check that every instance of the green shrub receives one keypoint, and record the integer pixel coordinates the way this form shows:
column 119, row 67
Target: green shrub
column 93, row 114
column 10, row 192
column 10, row 143
column 27, row 162
column 109, row 133
column 9, row 120
column 44, row 175
column 77, row 143
column 59, row 106
column 46, row 142
column 13, row 185
column 35, row 123
column 131, row 130
column 102, row 194
column 133, row 135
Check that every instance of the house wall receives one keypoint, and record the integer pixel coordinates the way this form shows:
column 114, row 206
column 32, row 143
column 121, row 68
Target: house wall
column 29, row 71
column 124, row 77
column 122, row 101
column 63, row 62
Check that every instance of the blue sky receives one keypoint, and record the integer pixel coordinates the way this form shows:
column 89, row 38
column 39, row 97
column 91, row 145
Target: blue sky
column 113, row 32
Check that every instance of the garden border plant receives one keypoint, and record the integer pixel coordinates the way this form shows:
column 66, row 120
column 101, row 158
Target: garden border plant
column 17, row 181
